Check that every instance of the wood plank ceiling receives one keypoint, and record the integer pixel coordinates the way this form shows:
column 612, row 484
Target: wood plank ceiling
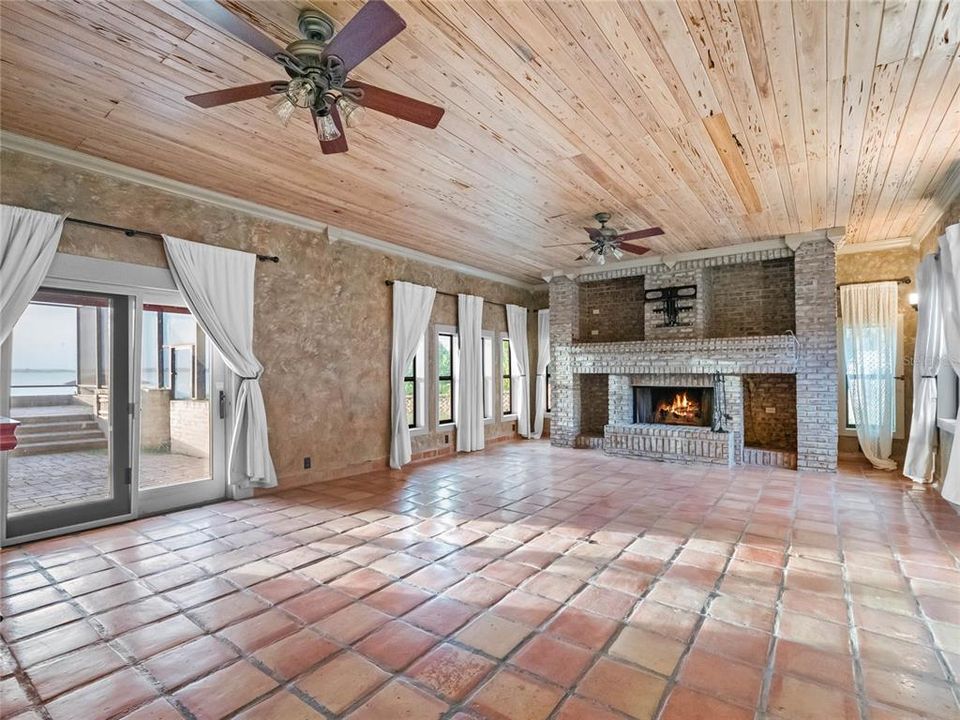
column 723, row 122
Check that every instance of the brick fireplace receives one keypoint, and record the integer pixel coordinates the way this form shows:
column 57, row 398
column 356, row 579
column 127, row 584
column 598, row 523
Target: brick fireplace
column 718, row 358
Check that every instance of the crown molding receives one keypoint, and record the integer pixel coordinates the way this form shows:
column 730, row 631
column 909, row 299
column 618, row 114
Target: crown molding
column 875, row 246
column 83, row 161
column 336, row 235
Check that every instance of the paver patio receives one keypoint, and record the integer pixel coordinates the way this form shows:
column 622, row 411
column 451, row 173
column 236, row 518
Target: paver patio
column 46, row 481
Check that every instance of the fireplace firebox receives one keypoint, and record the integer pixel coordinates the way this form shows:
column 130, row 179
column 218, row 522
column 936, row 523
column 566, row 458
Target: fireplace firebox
column 673, row 405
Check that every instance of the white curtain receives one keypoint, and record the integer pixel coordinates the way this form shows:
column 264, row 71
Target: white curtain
column 28, row 243
column 543, row 359
column 517, row 330
column 470, row 395
column 921, row 456
column 217, row 285
column 412, row 305
column 950, row 295
column 870, row 349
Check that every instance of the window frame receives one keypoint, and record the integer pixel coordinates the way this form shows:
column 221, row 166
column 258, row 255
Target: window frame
column 419, row 404
column 845, row 425
column 507, row 374
column 447, row 330
column 488, row 369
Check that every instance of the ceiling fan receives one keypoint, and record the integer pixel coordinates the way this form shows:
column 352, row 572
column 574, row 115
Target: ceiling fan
column 318, row 67
column 606, row 241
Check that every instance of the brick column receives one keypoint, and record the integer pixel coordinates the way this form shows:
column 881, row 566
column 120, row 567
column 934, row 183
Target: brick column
column 564, row 330
column 619, row 400
column 815, row 273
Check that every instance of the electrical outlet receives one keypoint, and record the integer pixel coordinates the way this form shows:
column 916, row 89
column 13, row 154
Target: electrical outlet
column 596, row 311
column 446, row 439
column 306, row 463
column 594, row 332
column 770, row 410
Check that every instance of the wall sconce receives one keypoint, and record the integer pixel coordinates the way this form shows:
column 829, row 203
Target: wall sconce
column 914, row 300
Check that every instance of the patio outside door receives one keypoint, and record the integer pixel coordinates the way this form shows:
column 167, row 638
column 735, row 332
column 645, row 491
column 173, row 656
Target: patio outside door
column 67, row 365
column 182, row 412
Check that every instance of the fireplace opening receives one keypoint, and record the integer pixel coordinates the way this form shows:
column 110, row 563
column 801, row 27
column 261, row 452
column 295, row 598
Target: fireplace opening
column 673, row 405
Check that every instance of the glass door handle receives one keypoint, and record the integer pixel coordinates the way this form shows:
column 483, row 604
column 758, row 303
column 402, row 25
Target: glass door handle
column 222, row 402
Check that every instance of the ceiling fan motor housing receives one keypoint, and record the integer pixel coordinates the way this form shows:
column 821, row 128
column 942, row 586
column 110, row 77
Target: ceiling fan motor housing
column 316, row 25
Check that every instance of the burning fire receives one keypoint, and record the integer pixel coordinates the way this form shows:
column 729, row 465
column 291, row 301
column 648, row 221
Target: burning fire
column 681, row 410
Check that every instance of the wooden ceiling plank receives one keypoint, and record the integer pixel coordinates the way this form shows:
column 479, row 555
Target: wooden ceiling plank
column 756, row 46
column 562, row 20
column 836, row 80
column 714, row 26
column 508, row 18
column 862, row 41
column 635, row 57
column 937, row 154
column 941, row 57
column 580, row 187
column 729, row 151
column 919, row 70
column 810, row 28
column 660, row 25
column 726, row 29
column 886, row 79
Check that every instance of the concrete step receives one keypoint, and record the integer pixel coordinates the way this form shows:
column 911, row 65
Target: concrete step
column 61, row 446
column 33, row 420
column 65, row 435
column 30, row 429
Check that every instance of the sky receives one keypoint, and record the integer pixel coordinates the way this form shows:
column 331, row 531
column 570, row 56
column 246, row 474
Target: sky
column 45, row 338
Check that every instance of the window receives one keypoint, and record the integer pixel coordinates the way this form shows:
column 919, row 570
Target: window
column 549, row 390
column 446, row 388
column 506, row 381
column 848, row 425
column 413, row 388
column 487, row 362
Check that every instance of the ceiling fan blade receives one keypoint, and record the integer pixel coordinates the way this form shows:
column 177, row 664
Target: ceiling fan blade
column 635, row 249
column 594, row 233
column 640, row 234
column 236, row 26
column 374, row 25
column 236, row 94
column 400, row 106
column 331, row 147
column 565, row 244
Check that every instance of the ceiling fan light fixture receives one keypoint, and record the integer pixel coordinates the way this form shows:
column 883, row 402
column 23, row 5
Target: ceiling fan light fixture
column 352, row 113
column 327, row 129
column 601, row 259
column 283, row 109
column 300, row 93
column 617, row 253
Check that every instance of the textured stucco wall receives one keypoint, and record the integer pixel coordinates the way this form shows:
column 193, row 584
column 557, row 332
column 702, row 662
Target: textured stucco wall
column 870, row 267
column 322, row 315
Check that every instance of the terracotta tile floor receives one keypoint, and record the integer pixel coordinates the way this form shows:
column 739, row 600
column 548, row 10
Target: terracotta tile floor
column 525, row 582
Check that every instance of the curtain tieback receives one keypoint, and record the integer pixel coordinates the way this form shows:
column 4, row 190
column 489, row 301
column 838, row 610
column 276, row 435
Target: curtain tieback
column 255, row 377
column 932, row 377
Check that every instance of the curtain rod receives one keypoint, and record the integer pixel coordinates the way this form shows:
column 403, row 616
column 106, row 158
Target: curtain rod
column 152, row 235
column 441, row 292
column 900, row 281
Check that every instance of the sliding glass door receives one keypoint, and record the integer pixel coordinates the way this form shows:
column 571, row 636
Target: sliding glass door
column 121, row 399
column 182, row 409
column 68, row 361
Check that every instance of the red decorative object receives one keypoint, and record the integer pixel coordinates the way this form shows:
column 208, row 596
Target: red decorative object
column 8, row 433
